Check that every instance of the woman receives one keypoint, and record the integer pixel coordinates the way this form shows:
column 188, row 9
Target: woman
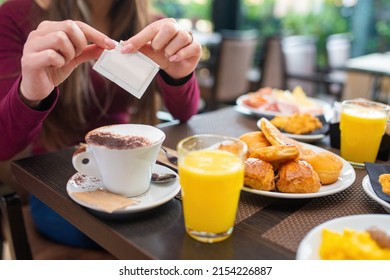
column 49, row 94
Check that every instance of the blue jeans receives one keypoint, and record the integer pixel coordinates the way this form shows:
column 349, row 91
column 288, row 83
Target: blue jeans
column 56, row 228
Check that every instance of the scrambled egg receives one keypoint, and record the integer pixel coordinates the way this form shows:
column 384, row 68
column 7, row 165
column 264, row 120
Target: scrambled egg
column 297, row 123
column 351, row 245
column 384, row 180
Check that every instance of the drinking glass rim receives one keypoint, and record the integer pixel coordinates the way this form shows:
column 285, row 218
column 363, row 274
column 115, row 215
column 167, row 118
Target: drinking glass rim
column 225, row 137
column 367, row 104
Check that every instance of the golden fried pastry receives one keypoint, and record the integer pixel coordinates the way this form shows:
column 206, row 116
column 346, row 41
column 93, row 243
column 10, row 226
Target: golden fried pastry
column 305, row 152
column 255, row 139
column 259, row 175
column 276, row 153
column 297, row 123
column 273, row 135
column 297, row 176
column 384, row 180
column 327, row 165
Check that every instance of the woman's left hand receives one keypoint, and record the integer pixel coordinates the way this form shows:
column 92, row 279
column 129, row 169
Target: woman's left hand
column 169, row 45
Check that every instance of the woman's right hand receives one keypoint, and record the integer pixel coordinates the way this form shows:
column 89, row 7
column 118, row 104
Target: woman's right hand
column 53, row 51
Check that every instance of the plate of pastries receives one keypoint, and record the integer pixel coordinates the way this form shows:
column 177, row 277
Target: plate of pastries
column 279, row 166
column 270, row 102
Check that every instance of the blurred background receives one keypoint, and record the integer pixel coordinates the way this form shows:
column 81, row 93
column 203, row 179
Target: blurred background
column 329, row 33
column 367, row 20
column 248, row 44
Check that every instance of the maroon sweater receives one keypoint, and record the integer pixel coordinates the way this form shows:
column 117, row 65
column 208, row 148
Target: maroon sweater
column 20, row 125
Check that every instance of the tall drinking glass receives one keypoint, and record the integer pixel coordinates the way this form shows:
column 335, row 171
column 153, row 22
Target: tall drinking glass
column 211, row 169
column 362, row 126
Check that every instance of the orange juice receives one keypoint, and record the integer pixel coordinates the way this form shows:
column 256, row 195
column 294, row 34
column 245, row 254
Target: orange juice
column 361, row 129
column 211, row 182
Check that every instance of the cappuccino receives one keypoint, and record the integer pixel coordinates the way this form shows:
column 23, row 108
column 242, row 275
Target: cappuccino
column 122, row 156
column 116, row 141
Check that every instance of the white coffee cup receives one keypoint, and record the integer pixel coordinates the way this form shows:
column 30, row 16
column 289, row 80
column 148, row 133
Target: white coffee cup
column 110, row 155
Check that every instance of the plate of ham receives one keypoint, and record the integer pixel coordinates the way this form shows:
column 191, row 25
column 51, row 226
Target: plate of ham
column 269, row 102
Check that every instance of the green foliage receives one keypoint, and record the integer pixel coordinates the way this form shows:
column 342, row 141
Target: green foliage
column 382, row 25
column 320, row 24
column 260, row 17
column 184, row 9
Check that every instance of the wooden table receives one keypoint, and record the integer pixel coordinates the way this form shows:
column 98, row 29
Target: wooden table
column 266, row 228
column 366, row 75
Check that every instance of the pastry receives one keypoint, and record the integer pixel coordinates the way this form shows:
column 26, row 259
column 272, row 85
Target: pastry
column 273, row 135
column 259, row 175
column 327, row 165
column 255, row 139
column 276, row 153
column 297, row 176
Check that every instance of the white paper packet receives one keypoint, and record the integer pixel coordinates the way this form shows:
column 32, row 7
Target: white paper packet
column 132, row 72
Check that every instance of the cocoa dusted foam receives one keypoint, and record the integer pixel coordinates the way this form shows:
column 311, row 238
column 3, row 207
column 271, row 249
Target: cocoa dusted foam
column 116, row 141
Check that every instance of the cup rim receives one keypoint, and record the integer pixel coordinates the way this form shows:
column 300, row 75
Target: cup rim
column 154, row 143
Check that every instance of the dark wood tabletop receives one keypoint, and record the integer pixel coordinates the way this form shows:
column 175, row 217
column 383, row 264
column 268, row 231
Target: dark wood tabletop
column 265, row 228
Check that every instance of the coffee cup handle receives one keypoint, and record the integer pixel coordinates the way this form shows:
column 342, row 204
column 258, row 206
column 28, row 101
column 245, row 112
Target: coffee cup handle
column 84, row 162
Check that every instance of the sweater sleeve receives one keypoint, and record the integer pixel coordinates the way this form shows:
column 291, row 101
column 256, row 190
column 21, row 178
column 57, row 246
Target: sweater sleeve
column 19, row 124
column 182, row 101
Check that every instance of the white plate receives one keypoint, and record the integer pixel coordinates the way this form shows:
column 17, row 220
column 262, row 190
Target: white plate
column 346, row 179
column 307, row 138
column 157, row 194
column 243, row 108
column 309, row 246
column 367, row 187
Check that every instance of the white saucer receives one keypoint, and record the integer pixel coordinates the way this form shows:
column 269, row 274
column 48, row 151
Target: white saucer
column 367, row 187
column 157, row 194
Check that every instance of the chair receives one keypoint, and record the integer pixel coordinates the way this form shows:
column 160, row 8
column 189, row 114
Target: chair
column 291, row 61
column 272, row 65
column 300, row 55
column 25, row 243
column 338, row 51
column 228, row 77
column 12, row 229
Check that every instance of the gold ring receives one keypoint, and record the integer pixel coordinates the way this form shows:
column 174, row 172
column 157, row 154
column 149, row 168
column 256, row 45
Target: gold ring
column 192, row 35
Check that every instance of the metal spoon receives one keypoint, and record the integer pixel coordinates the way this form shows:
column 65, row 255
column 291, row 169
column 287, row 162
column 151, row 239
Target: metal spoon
column 160, row 178
column 170, row 157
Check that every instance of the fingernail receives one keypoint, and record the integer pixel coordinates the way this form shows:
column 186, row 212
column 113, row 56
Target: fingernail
column 109, row 43
column 173, row 58
column 127, row 48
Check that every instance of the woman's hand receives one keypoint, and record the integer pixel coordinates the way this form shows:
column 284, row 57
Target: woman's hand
column 169, row 45
column 53, row 51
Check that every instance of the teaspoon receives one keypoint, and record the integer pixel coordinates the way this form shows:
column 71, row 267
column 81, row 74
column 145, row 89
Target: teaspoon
column 163, row 177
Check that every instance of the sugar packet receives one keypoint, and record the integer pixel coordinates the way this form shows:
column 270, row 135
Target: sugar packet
column 132, row 72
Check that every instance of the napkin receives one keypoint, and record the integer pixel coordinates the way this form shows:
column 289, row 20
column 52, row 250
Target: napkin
column 374, row 170
column 104, row 200
column 133, row 72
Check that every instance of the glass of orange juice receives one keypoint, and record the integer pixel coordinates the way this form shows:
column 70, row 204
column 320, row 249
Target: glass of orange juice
column 211, row 171
column 362, row 125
